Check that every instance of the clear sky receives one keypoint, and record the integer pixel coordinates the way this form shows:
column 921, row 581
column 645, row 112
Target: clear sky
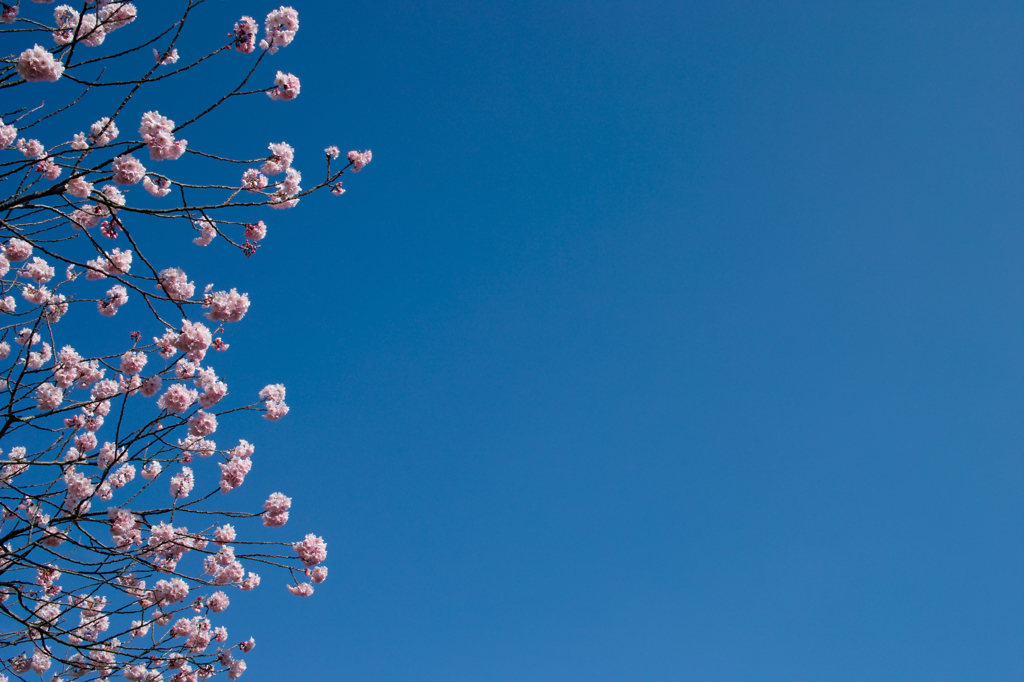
column 659, row 341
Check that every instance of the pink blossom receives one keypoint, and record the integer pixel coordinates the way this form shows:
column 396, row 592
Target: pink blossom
column 213, row 394
column 79, row 487
column 332, row 152
column 273, row 393
column 218, row 602
column 103, row 132
column 233, row 473
column 359, row 159
column 318, row 574
column 113, row 197
column 275, row 411
column 37, row 65
column 248, row 645
column 337, row 190
column 281, row 25
column 115, row 15
column 182, row 628
column 236, row 669
column 86, row 217
column 184, row 369
column 86, row 441
column 39, row 270
column 177, row 399
column 128, row 170
column 302, row 589
column 158, row 133
column 73, row 27
column 202, row 424
column 165, row 58
column 280, row 159
column 17, row 250
column 226, row 306
column 182, row 483
column 173, row 591
column 194, row 339
column 243, row 450
column 49, row 397
column 245, row 35
column 253, row 180
column 275, row 509
column 32, row 149
column 34, row 295
column 79, row 143
column 40, row 662
column 255, row 231
column 151, row 471
column 10, row 12
column 48, row 168
column 224, row 534
column 151, row 386
column 175, row 284
column 7, row 304
column 133, row 362
column 286, row 87
column 277, row 503
column 117, row 296
column 250, row 583
column 312, row 550
column 281, row 200
column 207, row 231
column 275, row 520
column 158, row 190
column 78, row 187
column 8, row 134
column 107, row 388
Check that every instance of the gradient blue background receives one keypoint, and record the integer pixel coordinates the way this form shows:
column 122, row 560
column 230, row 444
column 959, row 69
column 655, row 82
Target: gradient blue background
column 660, row 341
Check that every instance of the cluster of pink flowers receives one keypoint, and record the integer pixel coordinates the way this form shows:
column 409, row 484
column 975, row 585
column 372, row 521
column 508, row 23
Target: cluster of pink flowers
column 202, row 424
column 280, row 158
column 8, row 134
column 276, row 510
column 193, row 340
column 285, row 196
column 103, row 132
column 38, row 270
column 359, row 159
column 286, row 87
column 273, row 394
column 48, row 169
column 38, row 65
column 281, row 25
column 158, row 133
column 128, row 170
column 116, row 262
column 177, row 399
column 253, row 180
column 207, row 231
column 161, row 188
column 311, row 551
column 165, row 58
column 244, row 35
column 117, row 296
column 232, row 474
column 226, row 306
column 71, row 26
column 255, row 231
column 174, row 282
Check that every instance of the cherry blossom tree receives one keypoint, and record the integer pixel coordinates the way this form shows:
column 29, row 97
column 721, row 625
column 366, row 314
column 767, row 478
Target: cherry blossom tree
column 117, row 549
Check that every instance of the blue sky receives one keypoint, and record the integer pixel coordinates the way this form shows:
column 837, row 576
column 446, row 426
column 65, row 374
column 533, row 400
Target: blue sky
column 659, row 341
